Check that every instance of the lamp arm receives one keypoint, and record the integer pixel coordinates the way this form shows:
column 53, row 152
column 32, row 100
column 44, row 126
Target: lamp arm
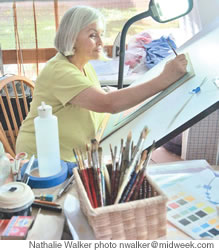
column 122, row 43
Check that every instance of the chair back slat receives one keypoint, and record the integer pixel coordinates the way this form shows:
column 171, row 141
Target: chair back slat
column 14, row 92
column 17, row 102
column 9, row 128
column 31, row 91
column 5, row 142
column 24, row 97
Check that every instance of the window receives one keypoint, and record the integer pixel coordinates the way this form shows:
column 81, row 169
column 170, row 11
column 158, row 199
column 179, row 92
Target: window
column 28, row 27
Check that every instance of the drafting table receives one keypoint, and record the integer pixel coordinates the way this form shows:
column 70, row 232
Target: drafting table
column 203, row 50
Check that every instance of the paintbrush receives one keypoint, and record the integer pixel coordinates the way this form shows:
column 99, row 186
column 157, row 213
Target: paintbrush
column 107, row 179
column 91, row 177
column 143, row 172
column 132, row 149
column 97, row 170
column 133, row 181
column 170, row 45
column 102, row 176
column 113, row 172
column 126, row 157
column 186, row 103
column 94, row 161
column 84, row 176
column 111, row 151
column 117, row 173
column 129, row 171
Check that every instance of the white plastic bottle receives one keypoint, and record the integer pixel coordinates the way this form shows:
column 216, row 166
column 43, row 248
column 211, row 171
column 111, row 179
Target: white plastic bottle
column 47, row 141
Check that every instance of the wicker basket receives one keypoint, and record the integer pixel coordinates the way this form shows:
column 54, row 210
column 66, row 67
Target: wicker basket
column 134, row 220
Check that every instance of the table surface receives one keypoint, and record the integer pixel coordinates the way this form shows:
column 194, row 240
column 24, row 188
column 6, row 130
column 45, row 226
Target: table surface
column 172, row 232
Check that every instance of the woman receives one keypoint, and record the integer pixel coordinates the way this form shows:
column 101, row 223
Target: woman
column 69, row 84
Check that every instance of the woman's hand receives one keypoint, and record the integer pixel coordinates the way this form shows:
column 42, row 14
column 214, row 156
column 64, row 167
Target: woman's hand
column 174, row 70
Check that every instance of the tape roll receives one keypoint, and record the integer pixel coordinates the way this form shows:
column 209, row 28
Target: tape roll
column 46, row 182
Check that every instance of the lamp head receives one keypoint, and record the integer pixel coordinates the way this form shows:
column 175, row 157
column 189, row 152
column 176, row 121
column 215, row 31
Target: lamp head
column 168, row 10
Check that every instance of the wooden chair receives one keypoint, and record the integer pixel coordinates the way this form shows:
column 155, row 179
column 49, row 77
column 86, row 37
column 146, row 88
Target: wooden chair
column 15, row 94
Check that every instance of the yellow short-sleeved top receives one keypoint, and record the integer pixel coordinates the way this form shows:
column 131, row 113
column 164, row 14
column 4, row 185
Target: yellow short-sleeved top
column 56, row 85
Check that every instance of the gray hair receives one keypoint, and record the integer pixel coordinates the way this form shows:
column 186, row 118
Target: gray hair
column 73, row 21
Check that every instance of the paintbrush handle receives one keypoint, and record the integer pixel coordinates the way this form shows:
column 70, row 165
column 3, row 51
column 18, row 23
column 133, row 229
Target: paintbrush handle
column 149, row 189
column 96, row 185
column 129, row 187
column 107, row 179
column 86, row 185
column 117, row 177
column 125, row 164
column 133, row 188
column 141, row 178
column 125, row 181
column 92, row 186
column 100, row 186
column 145, row 183
column 103, row 187
column 112, row 186
column 128, row 172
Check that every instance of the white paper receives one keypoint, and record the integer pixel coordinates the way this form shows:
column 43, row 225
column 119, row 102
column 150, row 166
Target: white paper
column 78, row 224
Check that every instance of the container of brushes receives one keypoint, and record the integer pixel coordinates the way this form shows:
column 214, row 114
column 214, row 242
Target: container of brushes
column 143, row 219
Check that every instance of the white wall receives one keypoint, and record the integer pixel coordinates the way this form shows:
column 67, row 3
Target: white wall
column 208, row 10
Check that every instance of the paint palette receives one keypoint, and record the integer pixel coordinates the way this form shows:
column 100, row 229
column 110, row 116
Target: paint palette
column 194, row 216
column 192, row 188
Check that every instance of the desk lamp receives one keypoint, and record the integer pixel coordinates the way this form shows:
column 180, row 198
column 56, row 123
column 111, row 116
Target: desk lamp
column 161, row 11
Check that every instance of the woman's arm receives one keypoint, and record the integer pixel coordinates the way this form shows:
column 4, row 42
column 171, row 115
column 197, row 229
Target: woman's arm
column 116, row 101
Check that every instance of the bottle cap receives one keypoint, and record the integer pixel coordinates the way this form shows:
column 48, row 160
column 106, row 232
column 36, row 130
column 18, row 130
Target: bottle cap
column 44, row 110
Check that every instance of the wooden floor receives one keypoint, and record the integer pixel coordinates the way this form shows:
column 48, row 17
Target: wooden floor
column 161, row 155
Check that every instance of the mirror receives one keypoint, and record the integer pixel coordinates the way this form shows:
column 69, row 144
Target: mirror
column 161, row 11
column 165, row 11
